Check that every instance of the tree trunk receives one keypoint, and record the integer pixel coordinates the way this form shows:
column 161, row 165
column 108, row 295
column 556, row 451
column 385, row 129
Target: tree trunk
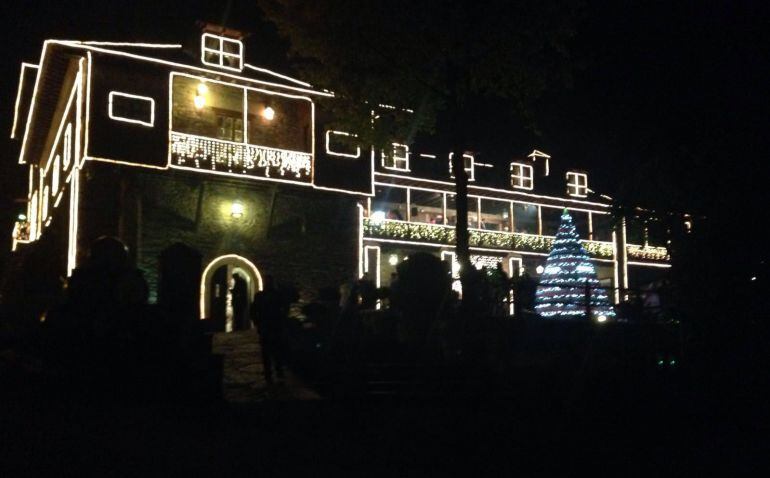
column 456, row 80
column 461, row 206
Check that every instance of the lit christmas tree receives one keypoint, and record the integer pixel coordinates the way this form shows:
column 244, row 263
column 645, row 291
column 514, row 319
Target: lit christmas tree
column 568, row 287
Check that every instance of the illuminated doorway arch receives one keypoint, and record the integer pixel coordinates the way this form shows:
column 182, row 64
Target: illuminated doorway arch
column 226, row 267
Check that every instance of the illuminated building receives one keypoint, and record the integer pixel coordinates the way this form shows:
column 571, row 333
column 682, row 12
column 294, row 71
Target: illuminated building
column 141, row 142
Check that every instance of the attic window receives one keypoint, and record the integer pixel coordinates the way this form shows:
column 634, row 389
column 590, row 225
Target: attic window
column 577, row 184
column 221, row 52
column 397, row 159
column 468, row 165
column 521, row 176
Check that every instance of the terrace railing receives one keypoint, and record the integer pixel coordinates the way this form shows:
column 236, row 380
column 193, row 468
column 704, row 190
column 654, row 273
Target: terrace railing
column 517, row 241
column 442, row 234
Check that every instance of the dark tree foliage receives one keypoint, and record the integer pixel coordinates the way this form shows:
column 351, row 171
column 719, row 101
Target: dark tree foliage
column 427, row 56
column 430, row 57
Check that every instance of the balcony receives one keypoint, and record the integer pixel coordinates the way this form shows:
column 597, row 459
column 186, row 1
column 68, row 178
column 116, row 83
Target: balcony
column 646, row 253
column 213, row 155
column 445, row 235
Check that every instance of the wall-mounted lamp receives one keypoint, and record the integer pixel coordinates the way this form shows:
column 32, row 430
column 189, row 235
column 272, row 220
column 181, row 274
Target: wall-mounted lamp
column 268, row 113
column 539, row 269
column 200, row 97
column 236, row 210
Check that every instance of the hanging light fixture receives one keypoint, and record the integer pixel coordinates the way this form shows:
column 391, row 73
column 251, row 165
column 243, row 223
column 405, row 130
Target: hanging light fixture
column 268, row 113
column 236, row 210
column 200, row 98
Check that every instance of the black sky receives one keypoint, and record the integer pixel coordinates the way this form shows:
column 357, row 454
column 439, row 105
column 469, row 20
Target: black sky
column 668, row 93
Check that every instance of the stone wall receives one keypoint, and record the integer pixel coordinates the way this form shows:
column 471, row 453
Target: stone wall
column 298, row 235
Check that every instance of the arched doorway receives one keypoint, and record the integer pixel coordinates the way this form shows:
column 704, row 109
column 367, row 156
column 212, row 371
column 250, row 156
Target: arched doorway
column 228, row 285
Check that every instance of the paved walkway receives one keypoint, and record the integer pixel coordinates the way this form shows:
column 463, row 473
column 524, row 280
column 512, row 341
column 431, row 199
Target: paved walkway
column 244, row 380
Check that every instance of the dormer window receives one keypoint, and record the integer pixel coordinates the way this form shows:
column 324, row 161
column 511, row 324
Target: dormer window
column 521, row 176
column 468, row 165
column 396, row 159
column 577, row 184
column 221, row 52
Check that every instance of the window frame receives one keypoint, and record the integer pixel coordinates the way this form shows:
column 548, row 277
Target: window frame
column 115, row 117
column 574, row 188
column 470, row 171
column 329, row 151
column 521, row 177
column 221, row 53
column 396, row 159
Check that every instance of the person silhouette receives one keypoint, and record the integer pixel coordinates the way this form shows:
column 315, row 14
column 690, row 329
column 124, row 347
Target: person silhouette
column 268, row 312
column 240, row 294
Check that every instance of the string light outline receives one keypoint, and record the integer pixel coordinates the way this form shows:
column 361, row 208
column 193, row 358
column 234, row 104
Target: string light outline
column 19, row 93
column 334, row 153
column 217, row 261
column 503, row 191
column 221, row 53
column 113, row 116
column 577, row 185
column 471, row 170
column 519, row 179
column 396, row 159
column 245, row 89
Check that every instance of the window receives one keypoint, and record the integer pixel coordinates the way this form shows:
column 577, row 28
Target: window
column 218, row 115
column 221, row 52
column 550, row 219
column 396, row 159
column 473, row 211
column 226, row 112
column 340, row 143
column 602, row 227
column 521, row 176
column 280, row 122
column 426, row 206
column 525, row 218
column 67, row 147
column 580, row 219
column 468, row 165
column 44, row 208
column 577, row 184
column 495, row 215
column 229, row 128
column 55, row 174
column 389, row 203
column 131, row 108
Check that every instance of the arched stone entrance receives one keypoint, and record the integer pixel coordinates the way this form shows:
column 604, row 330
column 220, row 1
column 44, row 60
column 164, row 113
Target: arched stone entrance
column 228, row 284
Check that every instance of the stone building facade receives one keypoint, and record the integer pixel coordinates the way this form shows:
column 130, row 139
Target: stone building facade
column 144, row 143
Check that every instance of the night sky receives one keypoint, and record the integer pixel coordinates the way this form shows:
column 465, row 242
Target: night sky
column 664, row 95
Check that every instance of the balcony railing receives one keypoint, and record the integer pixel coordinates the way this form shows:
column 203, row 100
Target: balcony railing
column 220, row 156
column 440, row 234
column 648, row 253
